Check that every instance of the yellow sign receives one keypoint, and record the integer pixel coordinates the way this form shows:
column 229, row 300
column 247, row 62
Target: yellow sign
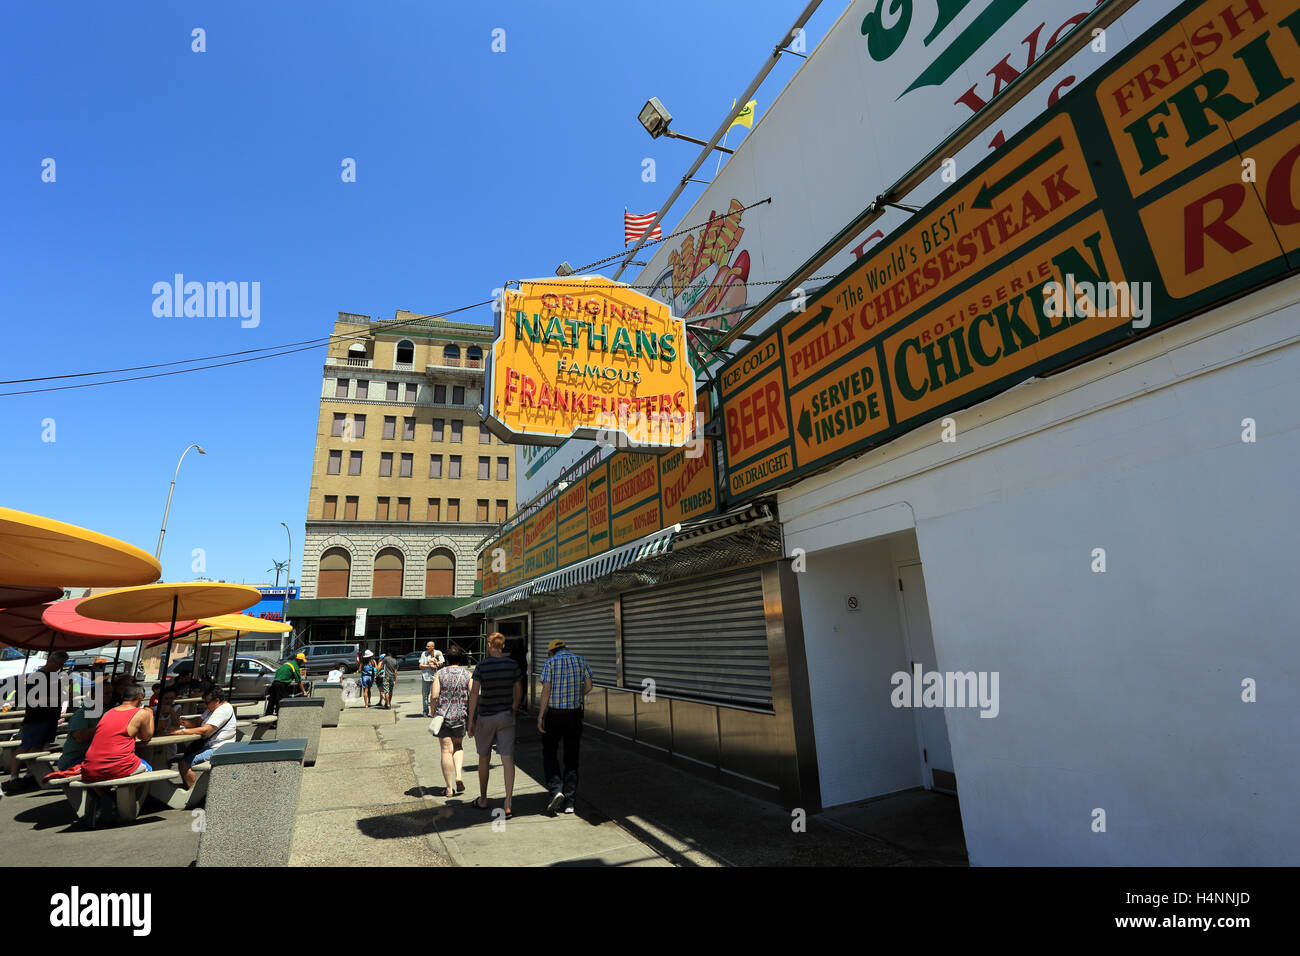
column 586, row 357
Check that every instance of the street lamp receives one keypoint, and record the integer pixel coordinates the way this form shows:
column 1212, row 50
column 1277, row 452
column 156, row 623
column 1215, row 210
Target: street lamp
column 166, row 511
column 139, row 645
column 655, row 117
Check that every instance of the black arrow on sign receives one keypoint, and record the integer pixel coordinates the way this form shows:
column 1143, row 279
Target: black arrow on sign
column 983, row 198
column 818, row 319
column 805, row 426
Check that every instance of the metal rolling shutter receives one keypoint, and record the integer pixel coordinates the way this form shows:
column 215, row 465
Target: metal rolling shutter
column 587, row 630
column 704, row 639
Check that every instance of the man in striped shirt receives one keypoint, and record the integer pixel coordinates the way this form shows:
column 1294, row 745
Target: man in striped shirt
column 493, row 702
column 566, row 682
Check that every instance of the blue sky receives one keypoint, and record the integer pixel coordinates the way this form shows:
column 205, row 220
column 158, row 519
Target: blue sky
column 473, row 167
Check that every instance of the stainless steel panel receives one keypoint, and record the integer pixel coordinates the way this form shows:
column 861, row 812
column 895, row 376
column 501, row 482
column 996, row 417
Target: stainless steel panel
column 747, row 746
column 695, row 731
column 595, row 709
column 620, row 713
column 654, row 722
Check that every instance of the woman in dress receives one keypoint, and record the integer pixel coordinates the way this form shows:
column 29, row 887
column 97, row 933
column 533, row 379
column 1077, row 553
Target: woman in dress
column 367, row 675
column 450, row 700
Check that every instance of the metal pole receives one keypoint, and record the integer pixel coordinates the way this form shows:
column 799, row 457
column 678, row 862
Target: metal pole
column 745, row 97
column 139, row 645
column 234, row 660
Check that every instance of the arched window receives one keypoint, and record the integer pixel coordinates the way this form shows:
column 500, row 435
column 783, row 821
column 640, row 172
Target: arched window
column 406, row 352
column 388, row 574
column 451, row 354
column 335, row 569
column 440, row 573
column 474, row 356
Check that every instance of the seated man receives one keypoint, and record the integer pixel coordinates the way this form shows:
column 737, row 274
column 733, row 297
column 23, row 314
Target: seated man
column 215, row 727
column 112, row 750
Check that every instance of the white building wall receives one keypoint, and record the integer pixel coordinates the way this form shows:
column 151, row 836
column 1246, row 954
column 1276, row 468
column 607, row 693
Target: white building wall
column 871, row 746
column 1119, row 691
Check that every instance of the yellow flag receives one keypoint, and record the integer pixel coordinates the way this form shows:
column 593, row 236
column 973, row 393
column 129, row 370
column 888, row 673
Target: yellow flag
column 745, row 117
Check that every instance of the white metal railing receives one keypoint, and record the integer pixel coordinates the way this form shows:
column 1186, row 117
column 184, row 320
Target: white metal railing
column 444, row 361
column 359, row 362
column 404, row 366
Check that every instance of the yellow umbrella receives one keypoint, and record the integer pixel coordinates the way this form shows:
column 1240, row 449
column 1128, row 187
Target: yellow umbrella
column 159, row 602
column 231, row 626
column 35, row 550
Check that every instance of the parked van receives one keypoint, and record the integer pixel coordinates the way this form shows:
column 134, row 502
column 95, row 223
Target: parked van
column 323, row 658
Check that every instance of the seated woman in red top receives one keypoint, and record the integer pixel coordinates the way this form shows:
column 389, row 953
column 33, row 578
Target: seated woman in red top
column 112, row 752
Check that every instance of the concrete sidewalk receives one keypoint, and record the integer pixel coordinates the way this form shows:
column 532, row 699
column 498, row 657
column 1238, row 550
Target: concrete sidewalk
column 375, row 797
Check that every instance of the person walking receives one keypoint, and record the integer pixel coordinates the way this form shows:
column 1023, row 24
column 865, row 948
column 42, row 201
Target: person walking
column 493, row 701
column 566, row 682
column 367, row 675
column 450, row 701
column 430, row 660
column 387, row 678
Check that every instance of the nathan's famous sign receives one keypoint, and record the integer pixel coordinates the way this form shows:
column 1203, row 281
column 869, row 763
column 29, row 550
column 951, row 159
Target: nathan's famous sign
column 1165, row 184
column 586, row 357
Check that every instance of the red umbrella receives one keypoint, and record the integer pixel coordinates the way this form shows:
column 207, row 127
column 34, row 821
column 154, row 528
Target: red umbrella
column 63, row 617
column 23, row 627
column 16, row 595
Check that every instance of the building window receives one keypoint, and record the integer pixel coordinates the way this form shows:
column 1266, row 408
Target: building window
column 435, row 466
column 456, row 426
column 503, row 510
column 391, row 394
column 451, row 355
column 350, row 508
column 440, row 573
column 354, row 463
column 503, row 469
column 386, row 464
column 358, row 426
column 408, row 429
column 388, row 574
column 481, row 512
column 458, row 394
column 390, row 426
column 484, row 467
column 440, row 394
column 474, row 357
column 381, row 509
column 406, row 352
column 341, row 388
column 453, row 466
column 453, row 509
column 411, row 391
column 437, row 429
column 337, row 430
column 331, row 507
column 332, row 573
column 363, row 389
column 435, row 510
column 407, row 460
column 335, row 462
column 484, row 436
column 403, row 509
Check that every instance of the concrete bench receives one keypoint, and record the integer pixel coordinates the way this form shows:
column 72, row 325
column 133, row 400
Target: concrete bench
column 301, row 717
column 264, row 728
column 250, row 810
column 130, row 793
column 176, row 797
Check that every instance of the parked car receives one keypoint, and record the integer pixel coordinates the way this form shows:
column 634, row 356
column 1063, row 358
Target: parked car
column 252, row 678
column 323, row 658
column 411, row 662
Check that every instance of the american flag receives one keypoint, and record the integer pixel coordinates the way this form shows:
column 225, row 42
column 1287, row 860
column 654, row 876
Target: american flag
column 634, row 227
